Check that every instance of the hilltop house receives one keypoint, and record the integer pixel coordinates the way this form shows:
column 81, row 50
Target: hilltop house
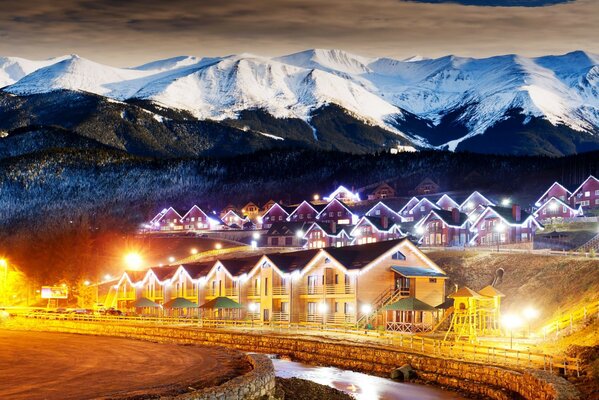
column 305, row 212
column 336, row 211
column 586, row 195
column 343, row 194
column 375, row 229
column 323, row 234
column 555, row 190
column 381, row 210
column 554, row 208
column 404, row 212
column 444, row 228
column 447, row 203
column 474, row 201
column 276, row 213
column 286, row 234
column 167, row 220
column 426, row 187
column 503, row 225
column 195, row 219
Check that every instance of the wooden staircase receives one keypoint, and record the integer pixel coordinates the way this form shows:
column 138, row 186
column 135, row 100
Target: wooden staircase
column 446, row 315
column 592, row 244
column 387, row 297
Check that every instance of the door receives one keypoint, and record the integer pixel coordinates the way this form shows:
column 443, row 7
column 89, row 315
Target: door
column 266, row 315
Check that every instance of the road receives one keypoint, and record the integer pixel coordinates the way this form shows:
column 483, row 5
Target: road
column 35, row 365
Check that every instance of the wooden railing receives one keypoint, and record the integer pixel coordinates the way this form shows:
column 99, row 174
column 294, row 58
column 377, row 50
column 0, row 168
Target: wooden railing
column 567, row 321
column 327, row 289
column 518, row 358
column 280, row 291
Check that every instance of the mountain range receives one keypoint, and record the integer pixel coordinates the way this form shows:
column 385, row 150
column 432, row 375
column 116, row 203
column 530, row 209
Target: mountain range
column 326, row 99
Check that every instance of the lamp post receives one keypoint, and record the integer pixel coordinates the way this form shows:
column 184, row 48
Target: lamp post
column 511, row 322
column 322, row 308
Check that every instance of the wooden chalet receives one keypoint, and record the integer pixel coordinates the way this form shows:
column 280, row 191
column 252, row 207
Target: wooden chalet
column 323, row 234
column 276, row 213
column 381, row 210
column 286, row 234
column 343, row 194
column 375, row 229
column 554, row 208
column 426, row 187
column 195, row 219
column 556, row 190
column 503, row 225
column 474, row 201
column 306, row 211
column 445, row 202
column 586, row 195
column 338, row 212
column 444, row 228
column 404, row 212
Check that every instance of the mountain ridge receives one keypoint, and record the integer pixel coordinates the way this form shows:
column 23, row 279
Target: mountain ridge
column 470, row 94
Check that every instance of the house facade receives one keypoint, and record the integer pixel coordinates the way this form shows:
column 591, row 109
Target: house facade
column 286, row 234
column 474, row 201
column 445, row 202
column 556, row 190
column 305, row 212
column 554, row 208
column 404, row 212
column 382, row 191
column 375, row 229
column 381, row 210
column 503, row 225
column 195, row 219
column 276, row 213
column 167, row 220
column 586, row 195
column 323, row 234
column 444, row 228
column 345, row 285
column 421, row 209
column 336, row 211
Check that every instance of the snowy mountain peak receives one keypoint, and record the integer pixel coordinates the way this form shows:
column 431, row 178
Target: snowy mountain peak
column 476, row 93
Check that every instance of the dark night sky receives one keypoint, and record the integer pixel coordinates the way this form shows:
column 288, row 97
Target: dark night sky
column 128, row 32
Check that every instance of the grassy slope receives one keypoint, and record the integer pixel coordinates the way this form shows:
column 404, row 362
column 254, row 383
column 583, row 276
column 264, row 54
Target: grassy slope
column 552, row 284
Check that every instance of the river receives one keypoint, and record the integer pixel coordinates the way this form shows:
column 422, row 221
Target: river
column 361, row 386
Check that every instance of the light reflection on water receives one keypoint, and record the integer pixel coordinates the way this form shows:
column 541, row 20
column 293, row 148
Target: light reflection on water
column 361, row 386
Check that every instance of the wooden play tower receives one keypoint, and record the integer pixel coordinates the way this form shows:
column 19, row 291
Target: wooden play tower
column 474, row 314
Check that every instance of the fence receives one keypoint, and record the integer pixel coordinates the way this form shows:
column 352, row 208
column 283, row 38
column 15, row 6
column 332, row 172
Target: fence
column 567, row 321
column 428, row 346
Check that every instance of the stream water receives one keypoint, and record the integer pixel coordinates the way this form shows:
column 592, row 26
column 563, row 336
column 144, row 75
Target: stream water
column 361, row 386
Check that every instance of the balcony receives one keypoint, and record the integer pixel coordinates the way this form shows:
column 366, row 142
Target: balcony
column 328, row 319
column 253, row 292
column 280, row 291
column 280, row 317
column 327, row 289
column 232, row 292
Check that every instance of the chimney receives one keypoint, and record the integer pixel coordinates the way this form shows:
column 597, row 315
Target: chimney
column 333, row 227
column 455, row 215
column 516, row 212
column 385, row 222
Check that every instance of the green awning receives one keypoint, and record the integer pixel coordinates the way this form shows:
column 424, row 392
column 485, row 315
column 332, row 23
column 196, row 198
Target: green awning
column 220, row 303
column 180, row 302
column 409, row 304
column 144, row 302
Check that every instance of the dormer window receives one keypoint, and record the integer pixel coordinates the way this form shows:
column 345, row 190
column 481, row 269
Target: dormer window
column 398, row 256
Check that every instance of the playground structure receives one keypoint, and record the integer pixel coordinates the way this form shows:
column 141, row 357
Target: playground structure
column 473, row 314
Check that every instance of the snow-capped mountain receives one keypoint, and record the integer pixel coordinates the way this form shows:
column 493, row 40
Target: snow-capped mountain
column 446, row 102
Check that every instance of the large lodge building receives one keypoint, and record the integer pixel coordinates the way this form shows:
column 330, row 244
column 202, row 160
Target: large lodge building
column 343, row 219
column 333, row 285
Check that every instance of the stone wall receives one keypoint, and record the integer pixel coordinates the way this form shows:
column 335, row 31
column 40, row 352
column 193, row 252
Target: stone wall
column 477, row 378
column 259, row 383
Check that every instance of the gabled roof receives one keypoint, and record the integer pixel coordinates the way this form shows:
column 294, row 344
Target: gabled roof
column 316, row 207
column 163, row 273
column 490, row 291
column 538, row 202
column 198, row 270
column 293, row 261
column 376, row 223
column 195, row 207
column 240, row 266
column 381, row 203
column 326, row 228
column 333, row 201
column 465, row 292
column 169, row 210
column 285, row 209
column 352, row 195
column 231, row 212
column 410, row 304
column 561, row 203
column 417, row 272
column 285, row 228
column 409, row 204
column 591, row 177
column 357, row 257
column 445, row 196
column 446, row 217
column 476, row 193
column 424, row 200
column 505, row 214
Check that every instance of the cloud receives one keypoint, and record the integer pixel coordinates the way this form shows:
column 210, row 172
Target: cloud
column 131, row 32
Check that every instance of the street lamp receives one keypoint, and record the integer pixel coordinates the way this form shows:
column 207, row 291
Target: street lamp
column 133, row 261
column 256, row 235
column 506, row 202
column 316, row 197
column 322, row 309
column 511, row 322
column 194, row 251
column 366, row 308
column 218, row 246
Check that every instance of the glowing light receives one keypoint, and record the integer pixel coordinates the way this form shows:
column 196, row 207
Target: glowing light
column 86, row 283
column 322, row 308
column 254, row 244
column 470, row 204
column 506, row 202
column 553, row 206
column 256, row 235
column 171, row 259
column 366, row 308
column 511, row 321
column 316, row 197
column 3, row 263
column 194, row 251
column 420, row 230
column 133, row 260
column 107, row 277
column 500, row 228
column 299, row 233
column 530, row 313
column 218, row 246
column 253, row 307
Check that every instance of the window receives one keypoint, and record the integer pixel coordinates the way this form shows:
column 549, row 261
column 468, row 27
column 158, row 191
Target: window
column 309, row 215
column 274, row 241
column 597, row 192
column 331, row 214
column 482, row 226
column 301, row 216
column 266, row 286
column 398, row 256
column 336, row 307
column 544, row 211
column 288, row 241
column 596, row 201
column 336, row 279
column 327, row 260
column 377, row 212
column 280, row 217
column 432, row 280
column 339, row 213
column 587, row 194
column 422, row 208
column 564, row 209
column 346, row 308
